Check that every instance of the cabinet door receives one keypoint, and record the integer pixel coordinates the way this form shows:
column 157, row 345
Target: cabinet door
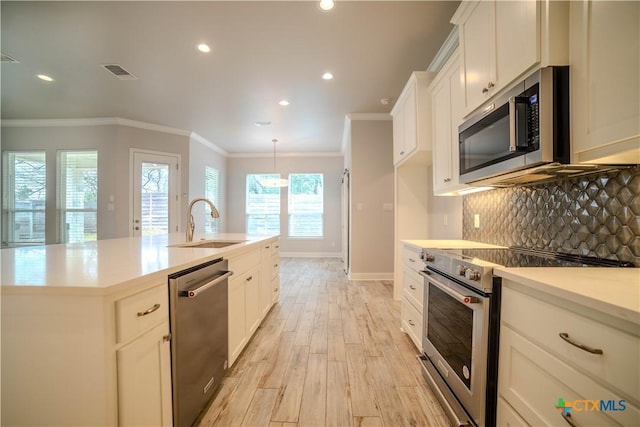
column 605, row 65
column 252, row 301
column 409, row 114
column 517, row 35
column 441, row 104
column 265, row 281
column 144, row 380
column 477, row 40
column 398, row 135
column 237, row 331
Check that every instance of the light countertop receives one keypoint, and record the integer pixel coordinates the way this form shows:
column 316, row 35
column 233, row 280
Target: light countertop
column 615, row 291
column 105, row 266
column 450, row 244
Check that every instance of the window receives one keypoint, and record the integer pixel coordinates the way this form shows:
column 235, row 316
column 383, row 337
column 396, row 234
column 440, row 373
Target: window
column 263, row 205
column 306, row 205
column 211, row 179
column 78, row 195
column 24, row 195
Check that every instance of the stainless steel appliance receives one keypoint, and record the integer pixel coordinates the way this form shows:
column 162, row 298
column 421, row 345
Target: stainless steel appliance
column 521, row 136
column 199, row 345
column 461, row 324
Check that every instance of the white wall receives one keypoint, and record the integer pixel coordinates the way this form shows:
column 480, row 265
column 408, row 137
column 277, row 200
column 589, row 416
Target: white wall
column 200, row 156
column 330, row 166
column 372, row 236
column 113, row 143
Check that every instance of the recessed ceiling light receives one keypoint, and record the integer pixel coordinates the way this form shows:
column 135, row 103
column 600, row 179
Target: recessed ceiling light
column 327, row 76
column 202, row 47
column 261, row 124
column 326, row 4
column 284, row 102
column 45, row 78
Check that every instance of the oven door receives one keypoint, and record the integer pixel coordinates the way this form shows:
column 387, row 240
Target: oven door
column 455, row 339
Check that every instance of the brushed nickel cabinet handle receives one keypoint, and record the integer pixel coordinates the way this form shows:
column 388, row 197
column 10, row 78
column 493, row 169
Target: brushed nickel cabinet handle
column 411, row 322
column 565, row 336
column 485, row 90
column 412, row 260
column 490, row 85
column 413, row 288
column 250, row 278
column 166, row 338
column 447, row 180
column 149, row 310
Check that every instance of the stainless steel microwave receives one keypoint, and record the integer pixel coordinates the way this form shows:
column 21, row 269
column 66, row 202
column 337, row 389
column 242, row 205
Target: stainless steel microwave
column 522, row 136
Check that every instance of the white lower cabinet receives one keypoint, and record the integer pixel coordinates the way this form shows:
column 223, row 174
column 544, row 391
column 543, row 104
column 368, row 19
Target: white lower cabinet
column 144, row 380
column 251, row 293
column 237, row 322
column 411, row 315
column 539, row 370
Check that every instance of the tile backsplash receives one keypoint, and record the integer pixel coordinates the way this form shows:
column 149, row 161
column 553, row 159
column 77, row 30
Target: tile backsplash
column 595, row 215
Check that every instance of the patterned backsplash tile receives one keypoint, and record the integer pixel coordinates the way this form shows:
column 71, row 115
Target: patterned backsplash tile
column 596, row 215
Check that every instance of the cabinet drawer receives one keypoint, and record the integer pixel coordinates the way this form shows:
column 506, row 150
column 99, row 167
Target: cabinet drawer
column 411, row 258
column 412, row 322
column 413, row 288
column 507, row 416
column 275, row 247
column 542, row 322
column 244, row 262
column 140, row 312
column 532, row 381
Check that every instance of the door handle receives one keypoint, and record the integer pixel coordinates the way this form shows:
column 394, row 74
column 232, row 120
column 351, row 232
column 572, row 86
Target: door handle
column 195, row 292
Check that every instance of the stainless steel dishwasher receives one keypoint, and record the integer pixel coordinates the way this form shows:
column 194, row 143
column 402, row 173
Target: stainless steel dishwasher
column 199, row 337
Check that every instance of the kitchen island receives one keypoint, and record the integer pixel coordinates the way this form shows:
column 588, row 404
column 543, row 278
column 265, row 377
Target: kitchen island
column 75, row 327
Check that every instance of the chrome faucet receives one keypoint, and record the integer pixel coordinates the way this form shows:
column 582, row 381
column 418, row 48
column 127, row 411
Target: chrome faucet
column 191, row 225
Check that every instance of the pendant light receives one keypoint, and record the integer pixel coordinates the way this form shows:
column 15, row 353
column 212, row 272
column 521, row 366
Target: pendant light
column 274, row 182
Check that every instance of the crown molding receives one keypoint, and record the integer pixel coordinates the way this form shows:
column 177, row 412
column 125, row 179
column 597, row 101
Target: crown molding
column 291, row 154
column 94, row 121
column 369, row 116
column 204, row 141
column 445, row 52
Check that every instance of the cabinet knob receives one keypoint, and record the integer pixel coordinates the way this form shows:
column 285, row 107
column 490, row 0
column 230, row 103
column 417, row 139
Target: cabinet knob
column 250, row 278
column 402, row 153
column 490, row 85
column 411, row 322
column 166, row 338
column 485, row 90
column 447, row 180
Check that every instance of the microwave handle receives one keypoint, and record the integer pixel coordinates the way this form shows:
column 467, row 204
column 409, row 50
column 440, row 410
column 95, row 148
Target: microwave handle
column 518, row 124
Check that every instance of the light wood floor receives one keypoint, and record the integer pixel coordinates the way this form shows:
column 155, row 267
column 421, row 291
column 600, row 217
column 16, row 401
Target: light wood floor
column 330, row 353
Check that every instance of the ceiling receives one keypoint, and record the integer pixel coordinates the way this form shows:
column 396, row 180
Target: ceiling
column 261, row 52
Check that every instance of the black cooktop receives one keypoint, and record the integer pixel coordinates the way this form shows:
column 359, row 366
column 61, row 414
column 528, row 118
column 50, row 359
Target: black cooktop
column 525, row 257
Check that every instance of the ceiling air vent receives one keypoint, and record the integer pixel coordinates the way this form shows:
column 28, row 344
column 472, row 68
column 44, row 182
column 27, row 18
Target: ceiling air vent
column 6, row 58
column 119, row 72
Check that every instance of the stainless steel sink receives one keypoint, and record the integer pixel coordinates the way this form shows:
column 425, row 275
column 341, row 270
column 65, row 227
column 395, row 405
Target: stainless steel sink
column 209, row 244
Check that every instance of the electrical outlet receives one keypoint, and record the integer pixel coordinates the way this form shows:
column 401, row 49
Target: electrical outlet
column 445, row 219
column 476, row 220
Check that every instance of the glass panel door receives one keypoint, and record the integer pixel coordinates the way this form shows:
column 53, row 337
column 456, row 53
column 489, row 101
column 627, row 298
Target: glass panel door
column 155, row 194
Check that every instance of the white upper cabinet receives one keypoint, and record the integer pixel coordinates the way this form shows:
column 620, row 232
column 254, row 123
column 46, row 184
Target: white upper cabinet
column 446, row 101
column 605, row 78
column 502, row 40
column 411, row 118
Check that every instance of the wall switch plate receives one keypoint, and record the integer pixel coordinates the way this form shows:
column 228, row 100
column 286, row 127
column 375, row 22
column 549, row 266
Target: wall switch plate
column 476, row 220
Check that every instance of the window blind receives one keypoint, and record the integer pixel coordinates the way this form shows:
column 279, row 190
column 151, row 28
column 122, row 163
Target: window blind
column 306, row 205
column 78, row 195
column 262, row 205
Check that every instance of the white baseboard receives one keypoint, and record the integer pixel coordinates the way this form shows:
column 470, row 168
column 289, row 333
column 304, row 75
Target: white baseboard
column 310, row 255
column 371, row 276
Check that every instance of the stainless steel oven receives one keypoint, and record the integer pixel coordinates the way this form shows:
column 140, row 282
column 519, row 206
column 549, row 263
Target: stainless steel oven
column 460, row 321
column 461, row 313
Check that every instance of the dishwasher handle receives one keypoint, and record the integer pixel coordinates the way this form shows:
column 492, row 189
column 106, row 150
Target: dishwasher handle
column 195, row 292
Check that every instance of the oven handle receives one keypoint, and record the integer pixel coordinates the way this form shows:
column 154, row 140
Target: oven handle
column 464, row 299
